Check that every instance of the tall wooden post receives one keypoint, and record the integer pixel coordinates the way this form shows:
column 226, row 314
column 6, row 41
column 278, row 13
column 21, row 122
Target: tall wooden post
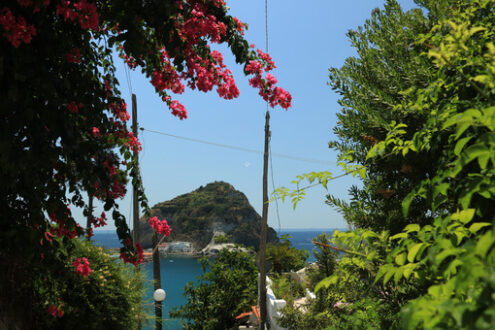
column 135, row 204
column 264, row 220
column 157, row 281
column 135, row 209
column 90, row 214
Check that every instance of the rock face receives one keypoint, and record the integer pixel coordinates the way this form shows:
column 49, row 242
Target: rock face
column 213, row 210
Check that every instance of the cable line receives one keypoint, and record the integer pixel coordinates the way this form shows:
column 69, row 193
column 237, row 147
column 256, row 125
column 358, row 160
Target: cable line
column 128, row 78
column 227, row 146
column 273, row 187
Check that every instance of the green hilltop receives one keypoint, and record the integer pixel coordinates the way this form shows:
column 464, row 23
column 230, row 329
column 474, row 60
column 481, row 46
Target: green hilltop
column 211, row 210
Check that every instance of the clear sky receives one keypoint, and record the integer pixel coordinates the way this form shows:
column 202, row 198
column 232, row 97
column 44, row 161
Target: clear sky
column 305, row 40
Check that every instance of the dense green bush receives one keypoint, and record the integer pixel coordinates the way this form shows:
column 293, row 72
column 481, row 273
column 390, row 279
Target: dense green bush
column 283, row 257
column 285, row 288
column 326, row 261
column 227, row 288
column 222, row 239
column 110, row 297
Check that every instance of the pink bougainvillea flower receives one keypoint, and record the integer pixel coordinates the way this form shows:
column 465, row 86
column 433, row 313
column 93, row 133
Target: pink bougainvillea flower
column 82, row 267
column 74, row 56
column 15, row 29
column 96, row 132
column 74, row 107
column 160, row 226
column 135, row 258
column 55, row 311
column 178, row 110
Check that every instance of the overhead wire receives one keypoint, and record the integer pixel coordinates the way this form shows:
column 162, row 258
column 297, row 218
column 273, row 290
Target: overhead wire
column 273, row 187
column 128, row 78
column 232, row 147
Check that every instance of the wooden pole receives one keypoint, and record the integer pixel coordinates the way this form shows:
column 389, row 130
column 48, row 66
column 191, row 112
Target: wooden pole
column 264, row 220
column 90, row 214
column 135, row 208
column 157, row 280
column 135, row 205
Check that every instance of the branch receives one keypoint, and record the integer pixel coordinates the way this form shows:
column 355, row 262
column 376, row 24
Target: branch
column 339, row 249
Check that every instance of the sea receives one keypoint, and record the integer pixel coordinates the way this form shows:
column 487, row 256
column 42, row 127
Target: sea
column 177, row 271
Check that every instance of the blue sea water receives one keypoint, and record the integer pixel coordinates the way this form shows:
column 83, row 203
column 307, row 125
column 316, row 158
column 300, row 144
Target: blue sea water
column 176, row 271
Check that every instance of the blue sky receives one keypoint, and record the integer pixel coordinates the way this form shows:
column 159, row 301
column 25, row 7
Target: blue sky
column 305, row 40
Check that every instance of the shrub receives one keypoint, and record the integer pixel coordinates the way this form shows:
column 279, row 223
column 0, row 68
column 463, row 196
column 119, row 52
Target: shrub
column 285, row 288
column 221, row 239
column 226, row 289
column 108, row 298
column 283, row 257
column 326, row 261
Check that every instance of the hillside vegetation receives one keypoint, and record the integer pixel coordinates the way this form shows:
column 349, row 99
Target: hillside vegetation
column 215, row 208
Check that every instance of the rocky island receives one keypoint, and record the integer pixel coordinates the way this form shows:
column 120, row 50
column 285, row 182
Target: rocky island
column 206, row 219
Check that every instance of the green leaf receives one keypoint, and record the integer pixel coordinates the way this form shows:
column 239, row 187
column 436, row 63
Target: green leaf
column 452, row 120
column 452, row 268
column 326, row 282
column 462, row 126
column 406, row 203
column 483, row 159
column 464, row 216
column 482, row 78
column 460, row 145
column 400, row 259
column 381, row 271
column 476, row 29
column 444, row 254
column 397, row 275
column 475, row 227
column 414, row 251
column 399, row 235
column 459, row 236
column 484, row 244
column 412, row 228
column 475, row 151
column 390, row 272
column 408, row 269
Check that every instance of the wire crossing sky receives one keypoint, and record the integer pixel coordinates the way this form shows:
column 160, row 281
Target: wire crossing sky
column 309, row 160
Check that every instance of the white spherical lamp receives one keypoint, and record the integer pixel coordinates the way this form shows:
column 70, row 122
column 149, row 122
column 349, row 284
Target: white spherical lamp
column 159, row 295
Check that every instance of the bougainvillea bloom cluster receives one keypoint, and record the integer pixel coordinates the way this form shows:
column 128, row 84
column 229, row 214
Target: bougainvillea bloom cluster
column 15, row 29
column 100, row 221
column 74, row 56
column 82, row 11
column 65, row 228
column 82, row 267
column 55, row 311
column 74, row 107
column 160, row 226
column 135, row 257
column 274, row 95
column 207, row 72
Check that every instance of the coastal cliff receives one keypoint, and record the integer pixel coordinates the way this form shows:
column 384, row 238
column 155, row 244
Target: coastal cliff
column 216, row 210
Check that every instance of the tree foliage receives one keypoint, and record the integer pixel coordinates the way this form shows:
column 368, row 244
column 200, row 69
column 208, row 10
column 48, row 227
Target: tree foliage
column 227, row 288
column 283, row 257
column 326, row 260
column 418, row 115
